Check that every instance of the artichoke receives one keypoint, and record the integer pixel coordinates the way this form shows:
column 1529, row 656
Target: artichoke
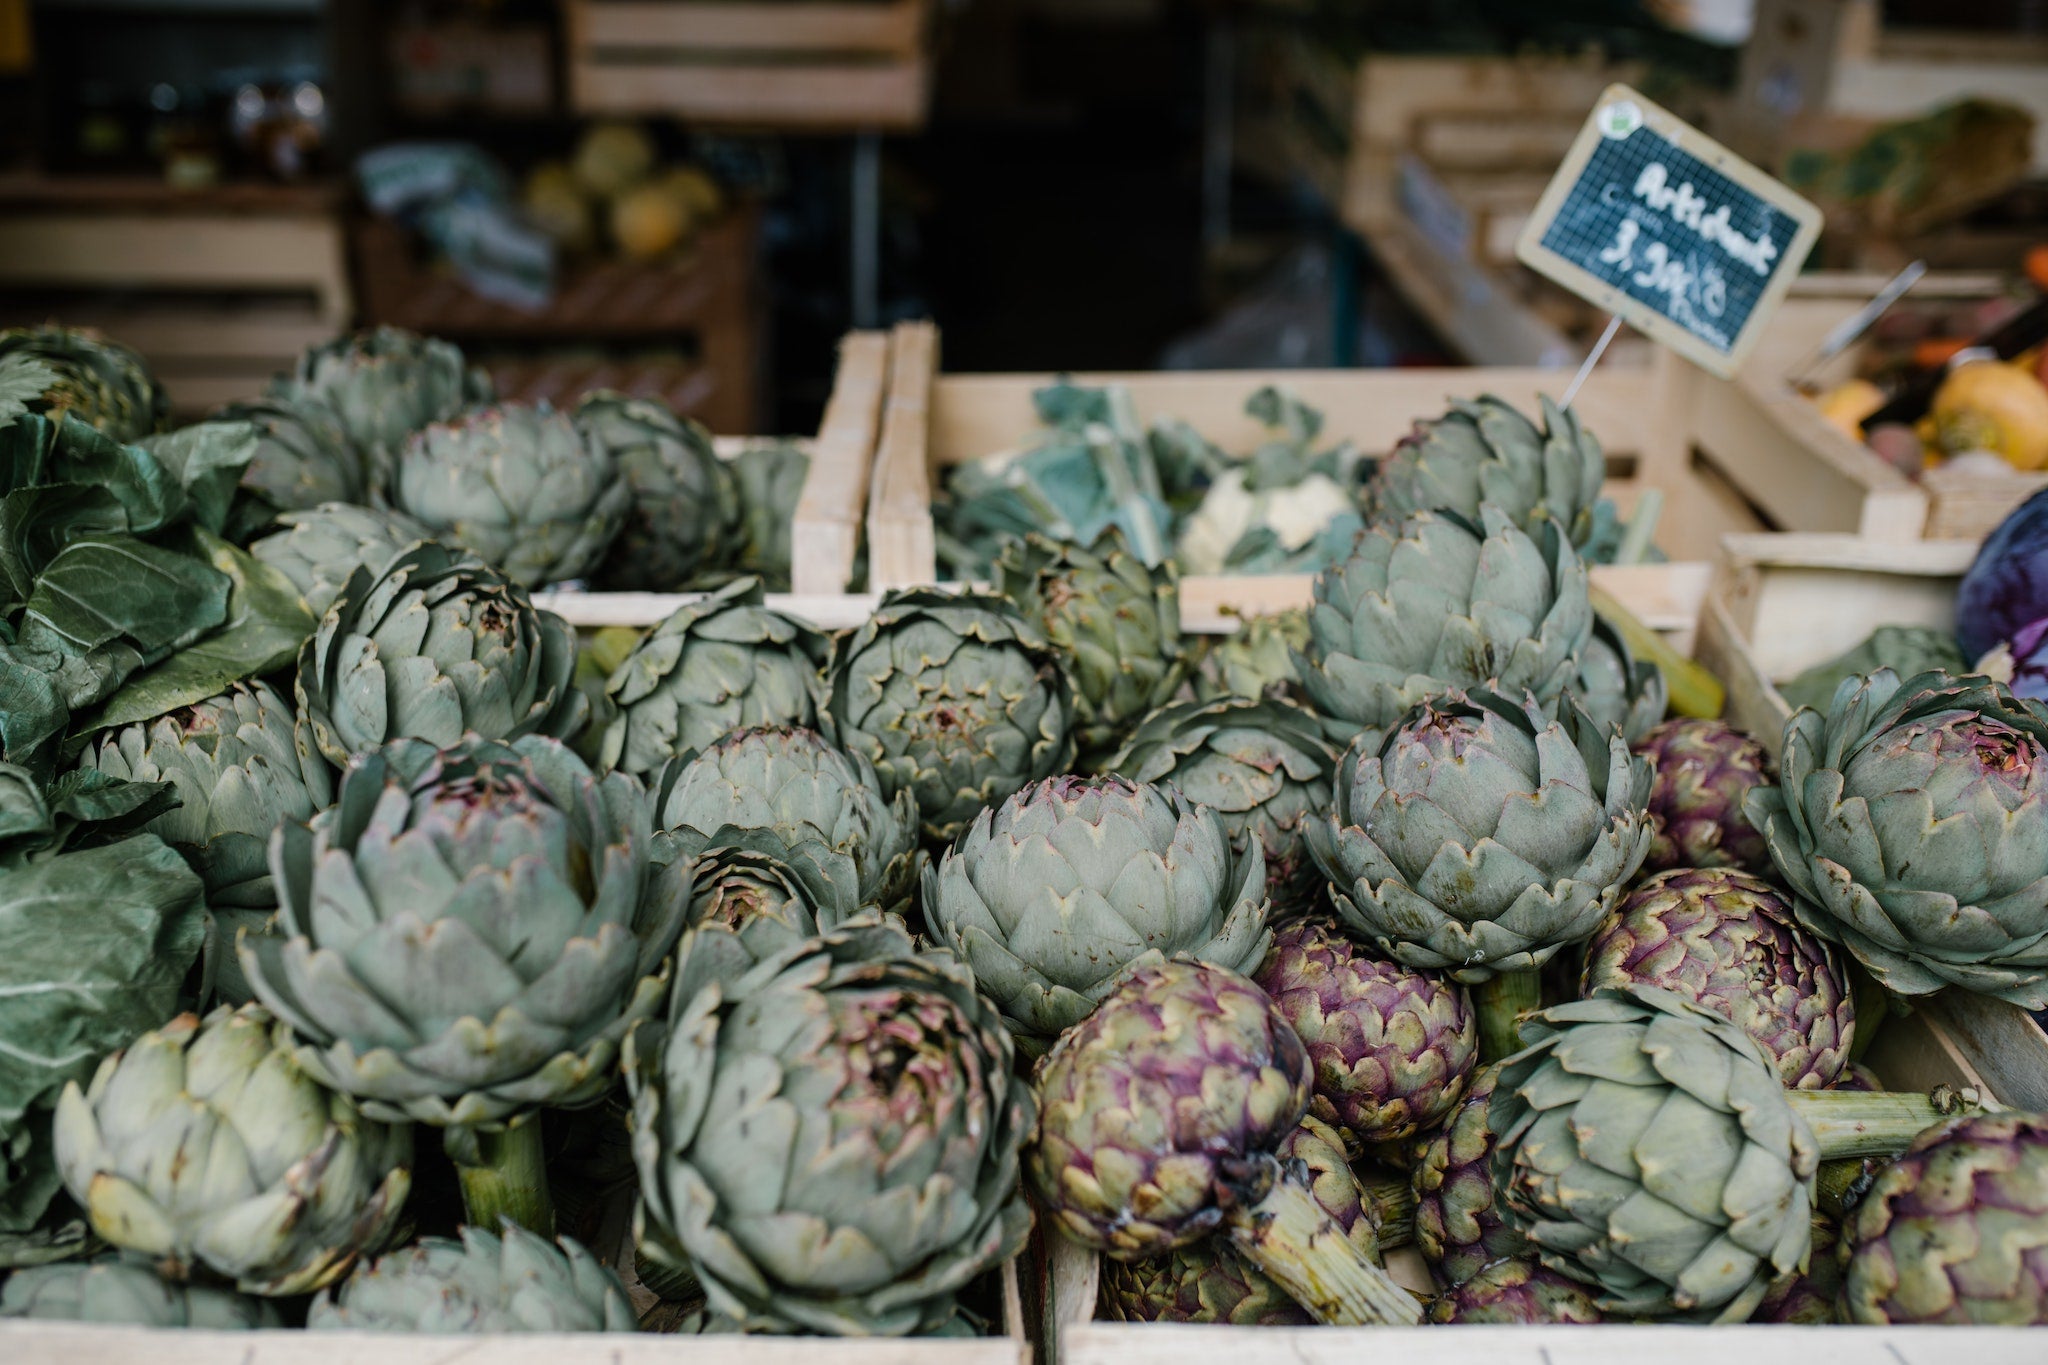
column 436, row 646
column 1208, row 1281
column 510, row 1281
column 1160, row 1119
column 1391, row 1047
column 1439, row 603
column 803, row 790
column 520, row 486
column 205, row 1146
column 1807, row 1298
column 384, row 385
column 1458, row 1224
column 1703, row 769
column 236, row 766
column 1908, row 827
column 714, row 666
column 1515, row 1292
column 955, row 698
column 319, row 548
column 115, row 1292
column 1905, row 650
column 507, row 925
column 877, row 1085
column 1485, row 452
column 681, row 520
column 1615, row 688
column 1730, row 942
column 769, row 477
column 1051, row 896
column 772, row 897
column 1263, row 766
column 1256, row 659
column 1480, row 836
column 303, row 456
column 1955, row 1230
column 1645, row 1146
column 1114, row 621
column 100, row 382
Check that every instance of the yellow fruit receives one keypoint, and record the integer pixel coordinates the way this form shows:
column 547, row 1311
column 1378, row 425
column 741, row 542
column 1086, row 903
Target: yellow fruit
column 1846, row 405
column 648, row 222
column 612, row 158
column 695, row 187
column 557, row 206
column 1988, row 405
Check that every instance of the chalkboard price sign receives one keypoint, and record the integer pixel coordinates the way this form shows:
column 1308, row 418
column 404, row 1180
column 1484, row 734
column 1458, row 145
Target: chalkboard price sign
column 1654, row 221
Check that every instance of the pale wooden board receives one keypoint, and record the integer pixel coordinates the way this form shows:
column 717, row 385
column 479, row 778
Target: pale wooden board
column 196, row 251
column 1396, row 94
column 822, row 97
column 896, row 27
column 901, row 549
column 596, row 610
column 825, row 530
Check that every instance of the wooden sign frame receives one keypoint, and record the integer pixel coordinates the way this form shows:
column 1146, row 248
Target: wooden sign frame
column 1622, row 107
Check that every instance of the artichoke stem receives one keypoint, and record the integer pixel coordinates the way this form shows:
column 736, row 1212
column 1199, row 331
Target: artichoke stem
column 507, row 1179
column 1290, row 1237
column 1852, row 1124
column 1501, row 1001
column 1392, row 1202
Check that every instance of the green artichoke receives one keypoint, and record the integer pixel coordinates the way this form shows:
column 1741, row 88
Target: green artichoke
column 1906, row 650
column 1391, row 1047
column 1726, row 940
column 876, row 1084
column 115, row 1292
column 508, row 924
column 1615, row 688
column 1114, row 621
column 682, row 517
column 303, row 455
column 1053, row 895
column 1480, row 836
column 1263, row 766
column 235, row 763
column 716, row 665
column 1160, row 1119
column 1645, row 1146
column 1515, row 1292
column 206, row 1147
column 436, row 646
column 1703, row 771
column 771, row 896
column 1485, row 452
column 798, row 787
column 510, row 1281
column 98, row 381
column 95, row 944
column 1955, row 1230
column 769, row 476
column 1256, row 659
column 384, row 385
column 317, row 549
column 1459, row 1228
column 1439, row 603
column 1909, row 826
column 523, row 487
column 955, row 698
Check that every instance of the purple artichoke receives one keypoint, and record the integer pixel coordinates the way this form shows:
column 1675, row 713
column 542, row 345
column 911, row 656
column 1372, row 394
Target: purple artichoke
column 1458, row 1226
column 1515, row 1293
column 1956, row 1229
column 1703, row 769
column 1161, row 1117
column 1731, row 942
column 1808, row 1298
column 1392, row 1046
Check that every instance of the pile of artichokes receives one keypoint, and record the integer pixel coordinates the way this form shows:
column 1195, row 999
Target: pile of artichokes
column 1397, row 963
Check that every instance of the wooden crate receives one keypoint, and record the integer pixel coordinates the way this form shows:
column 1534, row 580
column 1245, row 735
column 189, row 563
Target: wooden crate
column 218, row 288
column 810, row 66
column 1721, row 467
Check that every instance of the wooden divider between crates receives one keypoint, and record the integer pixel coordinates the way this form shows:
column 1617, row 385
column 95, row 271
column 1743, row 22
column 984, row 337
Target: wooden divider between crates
column 826, row 529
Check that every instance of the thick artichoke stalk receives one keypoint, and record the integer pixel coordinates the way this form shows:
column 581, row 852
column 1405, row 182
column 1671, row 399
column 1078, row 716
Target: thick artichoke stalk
column 1160, row 1116
column 1908, row 826
column 1647, row 1147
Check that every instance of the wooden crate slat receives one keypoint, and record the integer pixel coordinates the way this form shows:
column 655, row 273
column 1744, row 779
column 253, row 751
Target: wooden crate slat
column 902, row 551
column 890, row 96
column 893, row 29
column 826, row 528
column 185, row 251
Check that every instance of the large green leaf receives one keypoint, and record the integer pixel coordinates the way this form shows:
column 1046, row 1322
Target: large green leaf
column 110, row 605
column 81, row 809
column 33, row 717
column 207, row 459
column 266, row 623
column 37, row 523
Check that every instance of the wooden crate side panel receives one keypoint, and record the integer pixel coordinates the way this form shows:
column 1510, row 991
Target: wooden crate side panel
column 1393, row 93
column 1808, row 616
column 1970, row 506
column 825, row 530
column 184, row 251
column 902, row 547
column 892, row 29
column 888, row 96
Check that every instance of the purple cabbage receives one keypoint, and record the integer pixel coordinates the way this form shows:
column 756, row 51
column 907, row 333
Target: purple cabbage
column 2004, row 596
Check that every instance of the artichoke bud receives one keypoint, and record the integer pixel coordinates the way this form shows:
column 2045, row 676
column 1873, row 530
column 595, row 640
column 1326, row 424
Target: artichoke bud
column 508, row 1281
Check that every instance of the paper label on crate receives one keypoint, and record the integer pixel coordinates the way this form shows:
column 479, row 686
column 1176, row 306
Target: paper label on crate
column 1653, row 220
